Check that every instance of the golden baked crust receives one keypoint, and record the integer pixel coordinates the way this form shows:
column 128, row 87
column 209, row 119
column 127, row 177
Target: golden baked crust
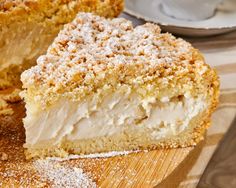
column 93, row 54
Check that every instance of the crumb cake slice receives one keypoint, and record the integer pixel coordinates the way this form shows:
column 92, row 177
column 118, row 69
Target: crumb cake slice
column 104, row 85
column 28, row 27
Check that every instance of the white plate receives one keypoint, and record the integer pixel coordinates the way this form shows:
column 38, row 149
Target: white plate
column 223, row 21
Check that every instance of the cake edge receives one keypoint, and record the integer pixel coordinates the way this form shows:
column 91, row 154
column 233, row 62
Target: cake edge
column 192, row 136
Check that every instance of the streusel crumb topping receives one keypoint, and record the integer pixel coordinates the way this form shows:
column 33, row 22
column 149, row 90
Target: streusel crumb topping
column 93, row 50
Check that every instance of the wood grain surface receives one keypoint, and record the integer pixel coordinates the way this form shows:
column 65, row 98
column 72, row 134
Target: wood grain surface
column 221, row 171
column 142, row 169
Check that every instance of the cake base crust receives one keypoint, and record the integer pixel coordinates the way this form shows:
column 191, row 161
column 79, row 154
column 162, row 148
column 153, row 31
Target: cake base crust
column 127, row 141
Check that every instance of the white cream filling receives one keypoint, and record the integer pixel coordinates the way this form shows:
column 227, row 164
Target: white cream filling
column 117, row 111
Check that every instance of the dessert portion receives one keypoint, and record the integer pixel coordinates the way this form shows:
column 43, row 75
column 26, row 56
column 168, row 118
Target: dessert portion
column 28, row 27
column 104, row 85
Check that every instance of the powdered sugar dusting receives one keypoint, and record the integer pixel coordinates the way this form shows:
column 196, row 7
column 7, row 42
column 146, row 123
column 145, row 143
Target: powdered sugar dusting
column 61, row 176
column 93, row 51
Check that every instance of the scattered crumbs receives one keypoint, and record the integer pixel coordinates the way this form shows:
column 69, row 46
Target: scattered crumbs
column 12, row 96
column 3, row 156
column 7, row 96
column 62, row 176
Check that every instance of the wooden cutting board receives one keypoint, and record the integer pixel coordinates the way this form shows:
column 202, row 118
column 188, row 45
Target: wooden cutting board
column 141, row 169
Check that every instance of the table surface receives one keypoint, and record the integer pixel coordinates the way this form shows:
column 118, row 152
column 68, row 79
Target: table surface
column 221, row 170
column 220, row 53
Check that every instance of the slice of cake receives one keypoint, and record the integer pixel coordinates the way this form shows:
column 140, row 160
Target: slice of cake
column 28, row 27
column 106, row 86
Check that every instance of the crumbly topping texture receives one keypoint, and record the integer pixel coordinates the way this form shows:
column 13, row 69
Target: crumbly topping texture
column 56, row 11
column 93, row 50
column 6, row 5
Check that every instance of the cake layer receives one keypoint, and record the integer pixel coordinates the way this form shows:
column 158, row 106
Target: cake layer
column 110, row 114
column 128, row 140
column 29, row 27
column 104, row 83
